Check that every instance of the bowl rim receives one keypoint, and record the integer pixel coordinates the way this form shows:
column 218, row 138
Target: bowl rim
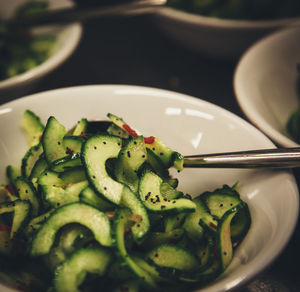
column 61, row 55
column 197, row 19
column 278, row 245
column 244, row 103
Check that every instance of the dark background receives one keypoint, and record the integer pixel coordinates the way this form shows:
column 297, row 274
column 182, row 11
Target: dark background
column 134, row 51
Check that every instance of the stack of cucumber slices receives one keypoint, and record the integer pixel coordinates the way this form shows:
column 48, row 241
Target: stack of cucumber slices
column 94, row 208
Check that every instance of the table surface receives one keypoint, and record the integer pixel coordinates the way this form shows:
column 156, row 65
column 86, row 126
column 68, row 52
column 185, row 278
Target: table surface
column 134, row 51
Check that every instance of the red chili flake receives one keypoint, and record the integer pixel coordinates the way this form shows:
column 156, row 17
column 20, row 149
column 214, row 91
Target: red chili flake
column 130, row 131
column 149, row 140
column 4, row 227
column 133, row 133
column 10, row 189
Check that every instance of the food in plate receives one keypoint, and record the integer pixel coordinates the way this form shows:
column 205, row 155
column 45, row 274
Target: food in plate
column 240, row 9
column 21, row 49
column 94, row 208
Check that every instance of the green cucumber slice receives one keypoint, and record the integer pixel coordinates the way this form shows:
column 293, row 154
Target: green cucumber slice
column 73, row 144
column 120, row 224
column 89, row 196
column 52, row 140
column 130, row 159
column 71, row 274
column 81, row 213
column 26, row 191
column 172, row 258
column 142, row 225
column 81, row 127
column 21, row 214
column 32, row 126
column 30, row 158
column 95, row 152
column 149, row 191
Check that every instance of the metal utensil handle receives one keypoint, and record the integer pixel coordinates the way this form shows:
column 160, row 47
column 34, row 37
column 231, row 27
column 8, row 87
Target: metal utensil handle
column 67, row 15
column 268, row 158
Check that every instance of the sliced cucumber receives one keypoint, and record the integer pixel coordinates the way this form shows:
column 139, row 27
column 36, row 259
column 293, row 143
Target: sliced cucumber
column 30, row 158
column 89, row 196
column 240, row 224
column 52, row 140
column 83, row 214
column 224, row 236
column 159, row 238
column 81, row 127
column 168, row 156
column 32, row 126
column 72, row 237
column 130, row 159
column 12, row 173
column 117, row 131
column 57, row 192
column 221, row 200
column 149, row 191
column 39, row 167
column 142, row 224
column 172, row 259
column 73, row 144
column 120, row 224
column 71, row 274
column 26, row 191
column 95, row 152
column 191, row 224
column 21, row 213
column 66, row 162
column 73, row 175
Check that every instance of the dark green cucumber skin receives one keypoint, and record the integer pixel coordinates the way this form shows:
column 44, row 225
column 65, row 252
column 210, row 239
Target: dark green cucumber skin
column 36, row 127
column 52, row 140
column 30, row 158
column 26, row 191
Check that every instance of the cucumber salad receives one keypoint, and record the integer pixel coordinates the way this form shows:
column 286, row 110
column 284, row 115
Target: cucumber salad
column 94, row 208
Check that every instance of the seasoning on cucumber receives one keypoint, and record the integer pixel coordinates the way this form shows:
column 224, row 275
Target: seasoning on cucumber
column 98, row 209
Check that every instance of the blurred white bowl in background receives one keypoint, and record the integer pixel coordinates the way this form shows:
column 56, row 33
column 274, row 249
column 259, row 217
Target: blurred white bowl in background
column 67, row 39
column 218, row 38
column 266, row 83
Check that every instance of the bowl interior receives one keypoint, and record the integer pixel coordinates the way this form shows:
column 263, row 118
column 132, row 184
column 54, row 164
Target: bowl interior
column 190, row 126
column 266, row 83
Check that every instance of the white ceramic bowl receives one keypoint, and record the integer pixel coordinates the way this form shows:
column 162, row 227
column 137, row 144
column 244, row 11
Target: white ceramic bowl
column 191, row 126
column 68, row 38
column 220, row 38
column 266, row 83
